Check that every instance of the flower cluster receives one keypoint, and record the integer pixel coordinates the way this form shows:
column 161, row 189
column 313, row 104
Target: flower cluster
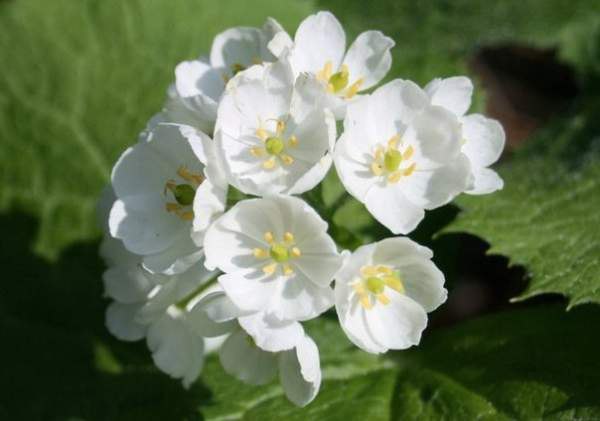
column 191, row 273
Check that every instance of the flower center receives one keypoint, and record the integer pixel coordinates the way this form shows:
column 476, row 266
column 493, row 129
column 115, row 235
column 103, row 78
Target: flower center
column 183, row 193
column 392, row 162
column 337, row 83
column 371, row 287
column 274, row 145
column 279, row 253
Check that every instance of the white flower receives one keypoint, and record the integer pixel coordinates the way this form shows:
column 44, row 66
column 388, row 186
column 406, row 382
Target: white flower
column 319, row 48
column 271, row 134
column 277, row 257
column 383, row 294
column 483, row 138
column 165, row 197
column 399, row 155
column 176, row 349
column 199, row 84
column 257, row 347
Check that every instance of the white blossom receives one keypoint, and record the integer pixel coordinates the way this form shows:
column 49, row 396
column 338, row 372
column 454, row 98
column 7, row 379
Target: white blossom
column 482, row 138
column 271, row 134
column 384, row 292
column 166, row 198
column 399, row 155
column 276, row 257
column 319, row 48
column 194, row 97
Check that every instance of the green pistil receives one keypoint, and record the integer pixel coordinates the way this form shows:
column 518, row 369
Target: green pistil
column 339, row 81
column 375, row 285
column 392, row 160
column 279, row 253
column 274, row 145
column 184, row 194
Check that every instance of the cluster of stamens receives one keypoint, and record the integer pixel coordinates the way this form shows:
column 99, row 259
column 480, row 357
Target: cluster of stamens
column 393, row 162
column 337, row 83
column 371, row 286
column 279, row 253
column 183, row 193
column 274, row 146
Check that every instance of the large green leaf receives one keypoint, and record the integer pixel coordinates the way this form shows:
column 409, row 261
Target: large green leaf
column 80, row 79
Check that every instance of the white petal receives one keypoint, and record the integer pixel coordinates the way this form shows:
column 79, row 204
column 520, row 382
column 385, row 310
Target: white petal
column 181, row 254
column 483, row 139
column 391, row 208
column 247, row 362
column 201, row 320
column 126, row 284
column 300, row 372
column 271, row 335
column 114, row 253
column 424, row 283
column 120, row 321
column 393, row 250
column 198, row 111
column 107, row 198
column 435, row 135
column 176, row 350
column 353, row 321
column 485, row 181
column 250, row 290
column 352, row 166
column 198, row 78
column 312, row 177
column 237, row 46
column 279, row 41
column 320, row 38
column 434, row 188
column 369, row 58
column 453, row 93
column 399, row 324
column 394, row 105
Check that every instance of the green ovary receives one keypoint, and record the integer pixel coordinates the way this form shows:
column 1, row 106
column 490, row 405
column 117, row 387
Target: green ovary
column 184, row 194
column 279, row 253
column 274, row 145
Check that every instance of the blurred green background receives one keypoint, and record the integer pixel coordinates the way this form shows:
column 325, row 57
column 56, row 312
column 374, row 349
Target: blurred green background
column 78, row 81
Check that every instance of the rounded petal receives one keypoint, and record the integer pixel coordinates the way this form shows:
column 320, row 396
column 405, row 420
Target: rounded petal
column 320, row 38
column 279, row 41
column 126, row 284
column 198, row 78
column 271, row 335
column 121, row 322
column 484, row 139
column 247, row 362
column 399, row 324
column 453, row 93
column 392, row 208
column 485, row 181
column 176, row 350
column 394, row 106
column 250, row 290
column 434, row 188
column 238, row 47
column 199, row 111
column 213, row 315
column 300, row 372
column 181, row 255
column 353, row 167
column 369, row 58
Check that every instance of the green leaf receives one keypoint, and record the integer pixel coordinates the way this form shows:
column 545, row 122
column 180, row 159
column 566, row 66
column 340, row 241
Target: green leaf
column 546, row 218
column 79, row 81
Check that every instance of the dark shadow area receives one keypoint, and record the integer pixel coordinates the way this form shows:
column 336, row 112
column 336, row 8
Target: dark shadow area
column 59, row 360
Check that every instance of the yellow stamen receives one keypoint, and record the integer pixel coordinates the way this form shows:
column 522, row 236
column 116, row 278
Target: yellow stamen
column 296, row 252
column 287, row 270
column 172, row 207
column 270, row 269
column 395, row 283
column 269, row 237
column 408, row 171
column 287, row 160
column 365, row 301
column 354, row 88
column 324, row 74
column 187, row 175
column 260, row 253
column 383, row 299
column 293, row 141
column 186, row 216
column 280, row 127
column 262, row 134
column 257, row 152
column 395, row 177
column 393, row 141
column 408, row 153
column 288, row 237
column 385, row 270
column 269, row 164
column 376, row 168
column 379, row 153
